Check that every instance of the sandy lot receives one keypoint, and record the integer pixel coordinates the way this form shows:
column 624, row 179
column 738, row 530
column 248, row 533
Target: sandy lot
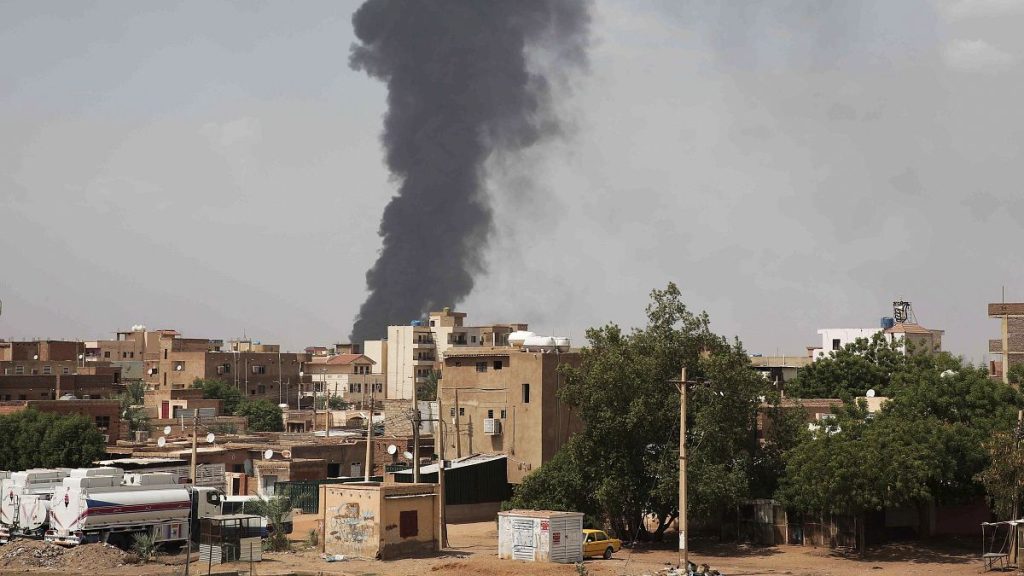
column 474, row 551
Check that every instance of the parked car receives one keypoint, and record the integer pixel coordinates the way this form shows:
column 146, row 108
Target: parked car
column 597, row 543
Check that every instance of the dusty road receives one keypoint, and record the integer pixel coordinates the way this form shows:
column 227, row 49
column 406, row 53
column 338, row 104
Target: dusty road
column 474, row 551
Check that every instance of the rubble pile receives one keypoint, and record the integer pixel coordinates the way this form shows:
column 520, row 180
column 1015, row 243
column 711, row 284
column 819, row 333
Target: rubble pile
column 36, row 554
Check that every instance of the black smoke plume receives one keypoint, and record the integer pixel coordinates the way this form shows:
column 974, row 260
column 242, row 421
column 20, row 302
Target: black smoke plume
column 459, row 90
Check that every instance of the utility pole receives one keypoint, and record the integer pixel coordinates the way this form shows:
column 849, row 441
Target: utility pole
column 458, row 431
column 684, row 550
column 195, row 427
column 192, row 488
column 369, row 440
column 415, row 436
column 443, row 528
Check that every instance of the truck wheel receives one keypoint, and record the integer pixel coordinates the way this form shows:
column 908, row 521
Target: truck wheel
column 608, row 553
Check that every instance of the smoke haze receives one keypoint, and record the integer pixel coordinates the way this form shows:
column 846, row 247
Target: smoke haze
column 460, row 89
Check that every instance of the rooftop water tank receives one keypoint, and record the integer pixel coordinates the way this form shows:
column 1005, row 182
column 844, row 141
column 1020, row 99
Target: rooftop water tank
column 540, row 343
column 518, row 337
column 562, row 343
column 888, row 322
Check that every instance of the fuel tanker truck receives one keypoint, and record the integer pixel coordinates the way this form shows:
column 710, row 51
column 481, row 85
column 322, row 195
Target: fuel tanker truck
column 23, row 489
column 102, row 508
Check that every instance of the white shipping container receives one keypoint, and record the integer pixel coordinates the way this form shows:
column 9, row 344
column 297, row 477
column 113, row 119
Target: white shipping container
column 540, row 536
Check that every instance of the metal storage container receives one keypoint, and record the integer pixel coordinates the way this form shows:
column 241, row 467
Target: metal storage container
column 540, row 536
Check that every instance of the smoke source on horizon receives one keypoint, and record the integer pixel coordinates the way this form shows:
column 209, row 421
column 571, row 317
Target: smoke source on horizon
column 460, row 89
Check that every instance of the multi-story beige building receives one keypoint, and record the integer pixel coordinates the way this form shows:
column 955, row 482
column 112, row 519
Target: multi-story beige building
column 504, row 400
column 346, row 376
column 1008, row 350
column 416, row 350
column 257, row 370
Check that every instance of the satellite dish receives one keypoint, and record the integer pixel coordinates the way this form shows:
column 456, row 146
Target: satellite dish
column 210, row 438
column 161, row 441
column 286, row 454
column 408, row 455
column 167, row 430
column 268, row 454
column 870, row 393
column 179, row 367
column 392, row 449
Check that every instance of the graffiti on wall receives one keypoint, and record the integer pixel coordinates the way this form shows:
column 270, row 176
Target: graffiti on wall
column 346, row 524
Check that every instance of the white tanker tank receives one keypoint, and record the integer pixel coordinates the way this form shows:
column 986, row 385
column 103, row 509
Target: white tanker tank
column 101, row 509
column 34, row 482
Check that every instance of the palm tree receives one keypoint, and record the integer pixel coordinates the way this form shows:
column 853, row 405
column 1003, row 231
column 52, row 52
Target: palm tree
column 274, row 509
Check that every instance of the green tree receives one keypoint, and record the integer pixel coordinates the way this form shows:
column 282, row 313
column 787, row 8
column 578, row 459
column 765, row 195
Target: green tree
column 34, row 439
column 220, row 390
column 133, row 410
column 262, row 415
column 624, row 464
column 924, row 445
column 1004, row 475
column 428, row 390
column 860, row 366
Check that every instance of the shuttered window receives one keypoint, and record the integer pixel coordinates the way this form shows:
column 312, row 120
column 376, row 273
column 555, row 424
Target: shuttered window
column 408, row 524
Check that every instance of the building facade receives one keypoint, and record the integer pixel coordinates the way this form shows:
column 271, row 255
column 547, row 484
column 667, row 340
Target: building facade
column 347, row 376
column 415, row 351
column 503, row 400
column 1007, row 351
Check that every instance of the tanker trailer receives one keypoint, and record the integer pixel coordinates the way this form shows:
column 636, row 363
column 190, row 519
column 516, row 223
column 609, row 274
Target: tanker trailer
column 28, row 482
column 102, row 509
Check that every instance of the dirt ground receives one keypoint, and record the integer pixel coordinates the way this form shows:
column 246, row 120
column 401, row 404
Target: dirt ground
column 474, row 551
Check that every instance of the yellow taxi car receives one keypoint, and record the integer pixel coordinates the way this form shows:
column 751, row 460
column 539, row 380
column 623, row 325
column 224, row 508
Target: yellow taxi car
column 597, row 543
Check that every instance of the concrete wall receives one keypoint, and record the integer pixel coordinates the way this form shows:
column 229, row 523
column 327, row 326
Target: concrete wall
column 105, row 414
column 42, row 387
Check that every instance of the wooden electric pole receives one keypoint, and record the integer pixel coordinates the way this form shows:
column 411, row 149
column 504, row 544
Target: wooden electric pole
column 684, row 550
column 415, row 436
column 369, row 440
column 458, row 431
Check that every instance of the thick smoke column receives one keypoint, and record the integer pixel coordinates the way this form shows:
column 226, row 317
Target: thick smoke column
column 459, row 90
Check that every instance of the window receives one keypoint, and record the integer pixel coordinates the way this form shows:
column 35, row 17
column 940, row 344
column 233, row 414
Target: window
column 44, row 395
column 472, row 339
column 65, row 370
column 19, row 369
column 481, row 366
column 131, row 354
column 257, row 369
column 106, row 354
column 124, row 355
column 261, row 389
column 526, row 393
column 497, row 364
column 21, row 397
column 835, row 343
column 503, row 413
column 47, row 369
column 165, row 353
column 379, row 387
column 490, row 413
column 7, row 371
column 103, row 423
column 462, row 411
column 408, row 524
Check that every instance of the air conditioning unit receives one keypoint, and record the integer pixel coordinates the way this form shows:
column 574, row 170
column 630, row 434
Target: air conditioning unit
column 492, row 426
column 106, row 438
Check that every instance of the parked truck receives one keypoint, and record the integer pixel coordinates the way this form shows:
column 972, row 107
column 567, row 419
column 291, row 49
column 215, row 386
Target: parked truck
column 87, row 509
column 16, row 490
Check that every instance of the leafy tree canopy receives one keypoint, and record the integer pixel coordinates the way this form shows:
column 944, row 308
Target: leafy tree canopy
column 625, row 462
column 221, row 390
column 34, row 439
column 262, row 415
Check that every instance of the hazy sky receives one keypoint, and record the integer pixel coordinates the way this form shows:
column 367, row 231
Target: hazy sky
column 216, row 168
